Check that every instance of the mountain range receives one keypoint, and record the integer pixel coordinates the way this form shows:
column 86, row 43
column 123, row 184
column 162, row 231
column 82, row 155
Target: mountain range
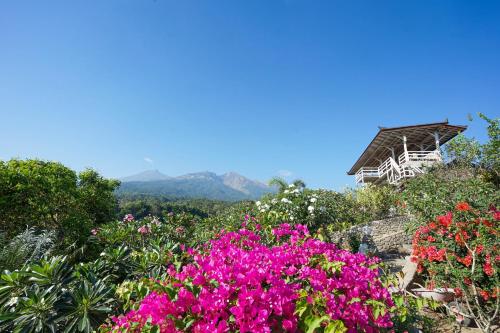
column 230, row 186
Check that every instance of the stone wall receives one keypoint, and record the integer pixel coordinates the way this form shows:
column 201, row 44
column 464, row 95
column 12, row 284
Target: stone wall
column 380, row 236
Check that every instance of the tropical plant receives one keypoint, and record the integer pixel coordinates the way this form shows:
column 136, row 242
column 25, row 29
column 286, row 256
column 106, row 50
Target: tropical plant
column 461, row 250
column 51, row 296
column 26, row 247
column 86, row 305
column 278, row 182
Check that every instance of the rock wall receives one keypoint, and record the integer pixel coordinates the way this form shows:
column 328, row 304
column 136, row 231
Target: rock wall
column 380, row 236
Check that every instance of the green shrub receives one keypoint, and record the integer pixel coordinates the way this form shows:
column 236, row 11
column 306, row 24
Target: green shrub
column 437, row 191
column 374, row 202
column 50, row 196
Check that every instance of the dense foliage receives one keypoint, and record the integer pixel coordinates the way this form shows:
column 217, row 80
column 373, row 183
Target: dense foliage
column 50, row 196
column 439, row 190
column 142, row 206
column 460, row 250
column 470, row 174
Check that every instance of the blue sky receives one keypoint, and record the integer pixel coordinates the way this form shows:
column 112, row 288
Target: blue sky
column 259, row 87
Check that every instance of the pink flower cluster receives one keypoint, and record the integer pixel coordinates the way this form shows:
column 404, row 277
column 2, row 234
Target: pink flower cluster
column 236, row 283
column 128, row 218
column 144, row 229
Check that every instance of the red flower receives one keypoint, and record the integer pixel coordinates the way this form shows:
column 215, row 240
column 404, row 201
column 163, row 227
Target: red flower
column 462, row 206
column 467, row 260
column 458, row 292
column 484, row 294
column 487, row 268
column 431, row 285
column 488, row 223
column 461, row 237
column 431, row 239
column 445, row 220
column 479, row 249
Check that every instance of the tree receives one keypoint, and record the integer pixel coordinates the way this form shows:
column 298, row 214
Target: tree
column 96, row 196
column 299, row 183
column 280, row 183
column 491, row 157
column 463, row 151
column 49, row 195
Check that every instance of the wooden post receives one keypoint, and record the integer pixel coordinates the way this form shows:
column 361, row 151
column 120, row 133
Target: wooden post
column 393, row 155
column 436, row 137
column 407, row 156
column 438, row 146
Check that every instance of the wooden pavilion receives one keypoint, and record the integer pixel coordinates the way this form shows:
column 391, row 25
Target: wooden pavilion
column 402, row 152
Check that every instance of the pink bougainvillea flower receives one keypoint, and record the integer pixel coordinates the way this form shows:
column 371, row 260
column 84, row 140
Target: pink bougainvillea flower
column 237, row 283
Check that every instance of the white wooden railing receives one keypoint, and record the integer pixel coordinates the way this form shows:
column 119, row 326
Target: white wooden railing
column 366, row 172
column 410, row 164
column 420, row 157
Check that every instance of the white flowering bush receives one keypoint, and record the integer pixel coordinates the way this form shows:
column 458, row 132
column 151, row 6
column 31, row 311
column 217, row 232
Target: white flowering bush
column 321, row 210
column 315, row 208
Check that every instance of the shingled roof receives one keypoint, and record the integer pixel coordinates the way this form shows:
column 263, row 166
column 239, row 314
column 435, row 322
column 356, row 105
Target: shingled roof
column 418, row 137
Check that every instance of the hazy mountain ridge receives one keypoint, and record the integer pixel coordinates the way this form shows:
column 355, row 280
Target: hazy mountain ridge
column 146, row 176
column 230, row 186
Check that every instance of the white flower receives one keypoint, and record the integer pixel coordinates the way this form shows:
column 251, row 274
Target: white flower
column 258, row 203
column 274, row 201
column 286, row 191
column 262, row 210
column 285, row 200
column 296, row 191
column 102, row 254
column 310, row 209
column 12, row 301
column 313, row 199
column 291, row 185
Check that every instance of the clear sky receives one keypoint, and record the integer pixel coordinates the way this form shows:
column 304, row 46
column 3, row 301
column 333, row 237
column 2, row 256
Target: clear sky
column 291, row 87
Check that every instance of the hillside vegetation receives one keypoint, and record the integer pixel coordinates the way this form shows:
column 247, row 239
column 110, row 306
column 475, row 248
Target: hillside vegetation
column 76, row 258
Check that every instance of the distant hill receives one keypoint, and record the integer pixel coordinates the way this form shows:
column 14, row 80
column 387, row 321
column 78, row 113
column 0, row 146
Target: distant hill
column 146, row 176
column 229, row 186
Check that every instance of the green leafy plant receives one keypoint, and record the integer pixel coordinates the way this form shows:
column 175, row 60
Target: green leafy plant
column 51, row 296
column 25, row 248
